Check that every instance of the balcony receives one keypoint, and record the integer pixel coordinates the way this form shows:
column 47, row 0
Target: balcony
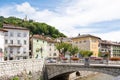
column 22, row 54
column 14, row 45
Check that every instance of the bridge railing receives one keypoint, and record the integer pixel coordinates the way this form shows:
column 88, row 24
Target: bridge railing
column 90, row 61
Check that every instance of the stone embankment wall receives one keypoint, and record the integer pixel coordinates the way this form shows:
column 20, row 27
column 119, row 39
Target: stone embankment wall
column 21, row 68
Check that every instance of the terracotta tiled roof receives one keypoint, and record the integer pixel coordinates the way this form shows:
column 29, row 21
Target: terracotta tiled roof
column 9, row 26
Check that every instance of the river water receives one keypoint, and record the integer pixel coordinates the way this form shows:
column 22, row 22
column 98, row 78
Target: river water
column 98, row 76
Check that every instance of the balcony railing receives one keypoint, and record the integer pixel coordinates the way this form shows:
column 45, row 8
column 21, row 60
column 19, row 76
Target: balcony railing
column 14, row 45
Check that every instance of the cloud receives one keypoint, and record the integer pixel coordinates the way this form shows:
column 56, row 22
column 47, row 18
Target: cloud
column 72, row 13
column 113, row 36
column 25, row 8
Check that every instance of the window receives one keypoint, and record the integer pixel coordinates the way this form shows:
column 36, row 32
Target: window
column 11, row 34
column 18, row 50
column 25, row 42
column 5, row 50
column 37, row 40
column 6, row 34
column 0, row 49
column 6, row 41
column 25, row 35
column 24, row 57
column 19, row 35
column 76, row 42
column 24, row 50
column 18, row 58
column 11, row 41
column 18, row 41
column 54, row 54
column 84, row 41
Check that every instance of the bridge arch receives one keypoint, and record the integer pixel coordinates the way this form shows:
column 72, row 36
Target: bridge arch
column 58, row 69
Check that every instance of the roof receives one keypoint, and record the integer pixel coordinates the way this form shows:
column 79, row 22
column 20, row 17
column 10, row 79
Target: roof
column 85, row 35
column 109, row 42
column 43, row 38
column 39, row 37
column 9, row 26
column 3, row 30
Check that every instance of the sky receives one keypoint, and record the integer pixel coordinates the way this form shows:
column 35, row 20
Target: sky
column 72, row 17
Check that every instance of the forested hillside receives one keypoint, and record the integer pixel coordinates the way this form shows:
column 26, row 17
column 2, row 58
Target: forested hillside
column 34, row 27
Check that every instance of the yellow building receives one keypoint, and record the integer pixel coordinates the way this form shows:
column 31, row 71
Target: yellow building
column 87, row 42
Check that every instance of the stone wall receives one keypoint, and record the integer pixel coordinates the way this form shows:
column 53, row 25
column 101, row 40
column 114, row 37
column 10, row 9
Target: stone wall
column 20, row 68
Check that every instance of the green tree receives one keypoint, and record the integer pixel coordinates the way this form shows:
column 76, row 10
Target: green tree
column 85, row 53
column 34, row 27
column 73, row 50
column 63, row 47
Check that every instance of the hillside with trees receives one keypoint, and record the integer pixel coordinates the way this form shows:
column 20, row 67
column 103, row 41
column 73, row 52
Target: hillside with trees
column 34, row 27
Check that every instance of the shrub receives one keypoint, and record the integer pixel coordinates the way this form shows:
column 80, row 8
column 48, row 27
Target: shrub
column 15, row 78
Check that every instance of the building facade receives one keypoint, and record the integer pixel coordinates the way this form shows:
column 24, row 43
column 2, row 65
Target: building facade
column 87, row 42
column 109, row 47
column 16, row 42
column 2, row 44
column 38, row 46
column 52, row 50
column 43, row 47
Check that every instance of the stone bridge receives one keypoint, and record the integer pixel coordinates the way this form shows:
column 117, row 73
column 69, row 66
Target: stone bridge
column 54, row 70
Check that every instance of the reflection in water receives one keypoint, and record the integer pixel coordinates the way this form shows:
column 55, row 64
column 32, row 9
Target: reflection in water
column 98, row 76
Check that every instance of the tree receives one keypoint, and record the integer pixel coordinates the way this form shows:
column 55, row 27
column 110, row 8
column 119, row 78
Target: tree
column 34, row 27
column 85, row 53
column 63, row 47
column 73, row 50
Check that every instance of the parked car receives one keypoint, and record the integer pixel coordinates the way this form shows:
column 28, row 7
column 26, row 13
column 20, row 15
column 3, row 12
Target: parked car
column 50, row 60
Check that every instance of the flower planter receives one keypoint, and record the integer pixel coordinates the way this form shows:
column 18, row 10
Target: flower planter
column 74, row 58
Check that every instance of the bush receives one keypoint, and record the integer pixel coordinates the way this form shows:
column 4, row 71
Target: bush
column 15, row 78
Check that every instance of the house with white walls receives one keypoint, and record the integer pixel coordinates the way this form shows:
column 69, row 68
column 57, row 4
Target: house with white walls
column 2, row 45
column 16, row 42
column 52, row 50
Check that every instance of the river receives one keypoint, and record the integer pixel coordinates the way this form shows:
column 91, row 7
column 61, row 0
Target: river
column 98, row 76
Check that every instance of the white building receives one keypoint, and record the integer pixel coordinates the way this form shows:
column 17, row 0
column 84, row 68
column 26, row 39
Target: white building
column 110, row 47
column 16, row 42
column 2, row 45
